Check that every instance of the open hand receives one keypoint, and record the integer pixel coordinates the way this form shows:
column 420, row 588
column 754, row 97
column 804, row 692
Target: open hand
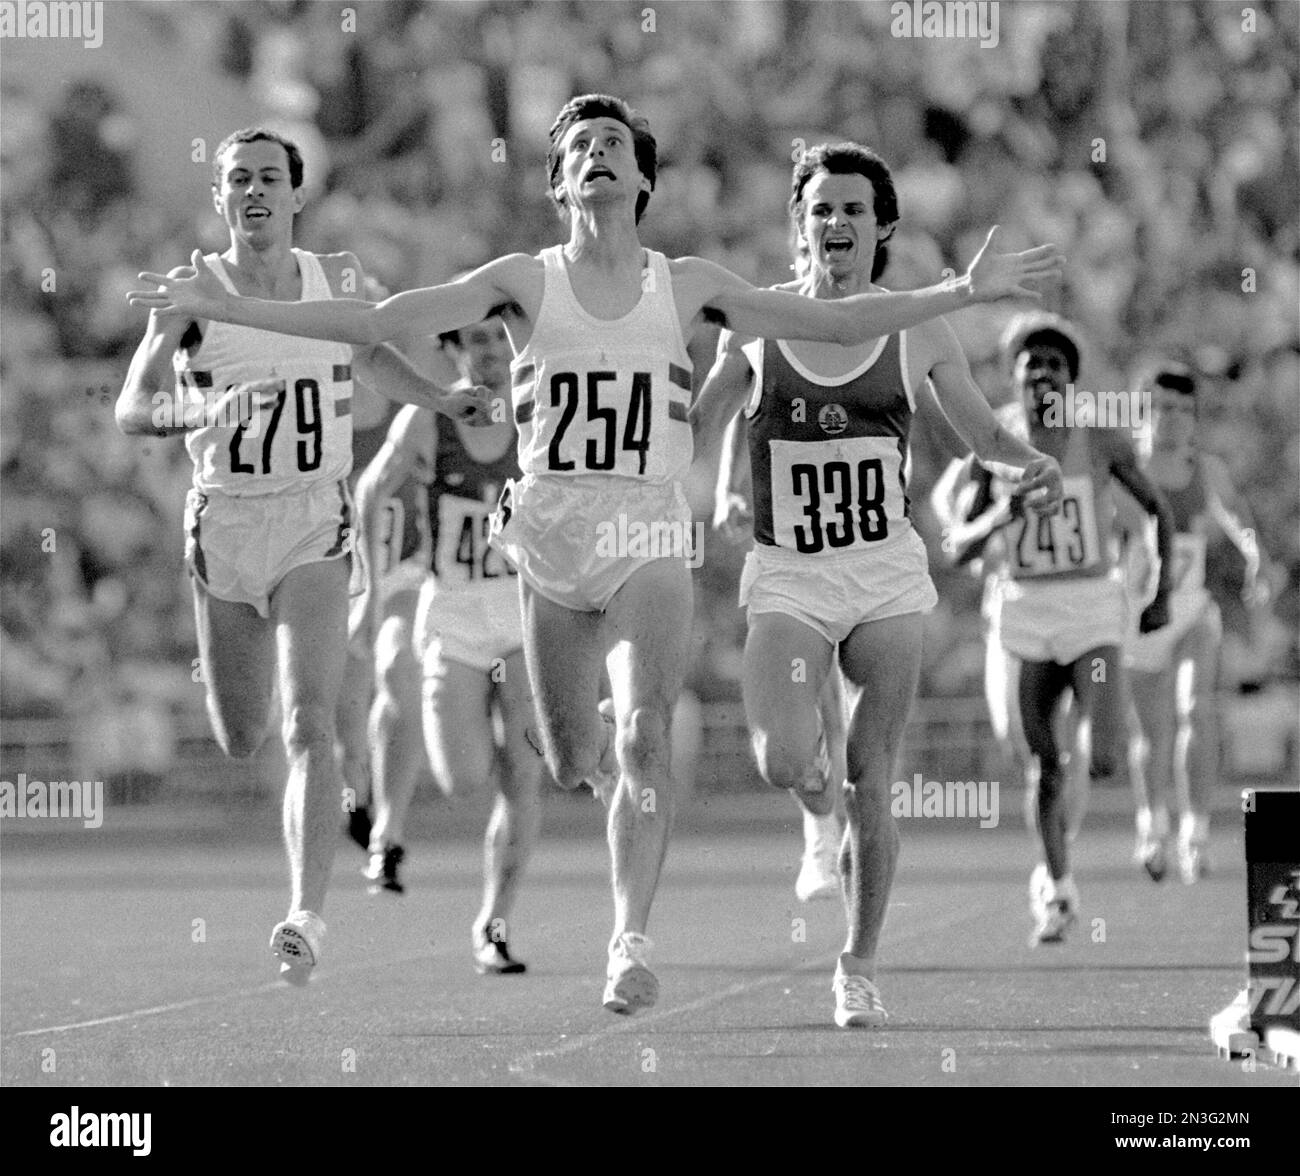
column 996, row 275
column 197, row 295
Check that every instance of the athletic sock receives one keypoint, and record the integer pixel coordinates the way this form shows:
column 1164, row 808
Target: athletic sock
column 817, row 828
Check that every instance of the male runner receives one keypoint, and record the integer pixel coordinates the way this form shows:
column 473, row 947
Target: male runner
column 1174, row 670
column 823, row 833
column 837, row 571
column 1060, row 607
column 601, row 378
column 467, row 645
column 269, row 519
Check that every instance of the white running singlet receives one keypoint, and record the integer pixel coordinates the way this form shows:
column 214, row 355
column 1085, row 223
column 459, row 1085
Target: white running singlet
column 604, row 397
column 305, row 437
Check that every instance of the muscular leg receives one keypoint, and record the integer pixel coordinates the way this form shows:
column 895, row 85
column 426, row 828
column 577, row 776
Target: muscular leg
column 395, row 724
column 1040, row 687
column 237, row 660
column 648, row 627
column 786, row 666
column 884, row 659
column 564, row 649
column 309, row 608
column 517, row 815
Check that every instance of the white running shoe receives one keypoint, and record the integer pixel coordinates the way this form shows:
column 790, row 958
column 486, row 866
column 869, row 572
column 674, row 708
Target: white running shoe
column 819, row 871
column 1055, row 905
column 857, row 1001
column 630, row 984
column 297, row 944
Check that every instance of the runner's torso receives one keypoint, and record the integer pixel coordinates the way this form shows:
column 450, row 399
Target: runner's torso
column 1072, row 542
column 306, row 436
column 828, row 451
column 606, row 398
column 460, row 500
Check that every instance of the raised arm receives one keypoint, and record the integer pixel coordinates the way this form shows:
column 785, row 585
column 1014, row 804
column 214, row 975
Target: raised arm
column 1231, row 511
column 782, row 314
column 1032, row 472
column 430, row 310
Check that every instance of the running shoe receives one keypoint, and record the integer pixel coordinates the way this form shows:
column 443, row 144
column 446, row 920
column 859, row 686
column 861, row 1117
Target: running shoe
column 630, row 984
column 296, row 943
column 1055, row 906
column 491, row 953
column 857, row 1001
column 1150, row 854
column 382, row 870
column 819, row 871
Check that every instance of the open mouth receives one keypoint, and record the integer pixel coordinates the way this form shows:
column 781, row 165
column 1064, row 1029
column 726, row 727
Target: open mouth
column 837, row 246
column 257, row 213
column 599, row 173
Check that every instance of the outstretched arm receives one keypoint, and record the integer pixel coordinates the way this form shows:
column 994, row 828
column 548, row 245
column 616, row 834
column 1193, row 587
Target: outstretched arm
column 783, row 314
column 387, row 371
column 1031, row 472
column 430, row 310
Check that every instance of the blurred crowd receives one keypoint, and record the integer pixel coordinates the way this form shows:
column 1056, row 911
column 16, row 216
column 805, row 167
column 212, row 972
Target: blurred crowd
column 1148, row 140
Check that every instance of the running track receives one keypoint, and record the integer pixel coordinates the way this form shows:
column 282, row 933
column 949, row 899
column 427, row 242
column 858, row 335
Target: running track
column 101, row 965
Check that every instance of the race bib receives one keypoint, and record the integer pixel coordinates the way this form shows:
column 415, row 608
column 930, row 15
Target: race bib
column 1062, row 542
column 833, row 495
column 464, row 556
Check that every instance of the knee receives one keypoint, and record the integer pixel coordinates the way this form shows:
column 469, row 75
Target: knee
column 308, row 727
column 778, row 764
column 643, row 742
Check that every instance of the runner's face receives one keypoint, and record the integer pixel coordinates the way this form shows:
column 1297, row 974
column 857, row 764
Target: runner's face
column 484, row 354
column 255, row 199
column 1173, row 420
column 1041, row 370
column 599, row 164
column 838, row 221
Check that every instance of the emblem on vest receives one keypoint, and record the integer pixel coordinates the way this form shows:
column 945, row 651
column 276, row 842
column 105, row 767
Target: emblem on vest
column 833, row 419
column 455, row 478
